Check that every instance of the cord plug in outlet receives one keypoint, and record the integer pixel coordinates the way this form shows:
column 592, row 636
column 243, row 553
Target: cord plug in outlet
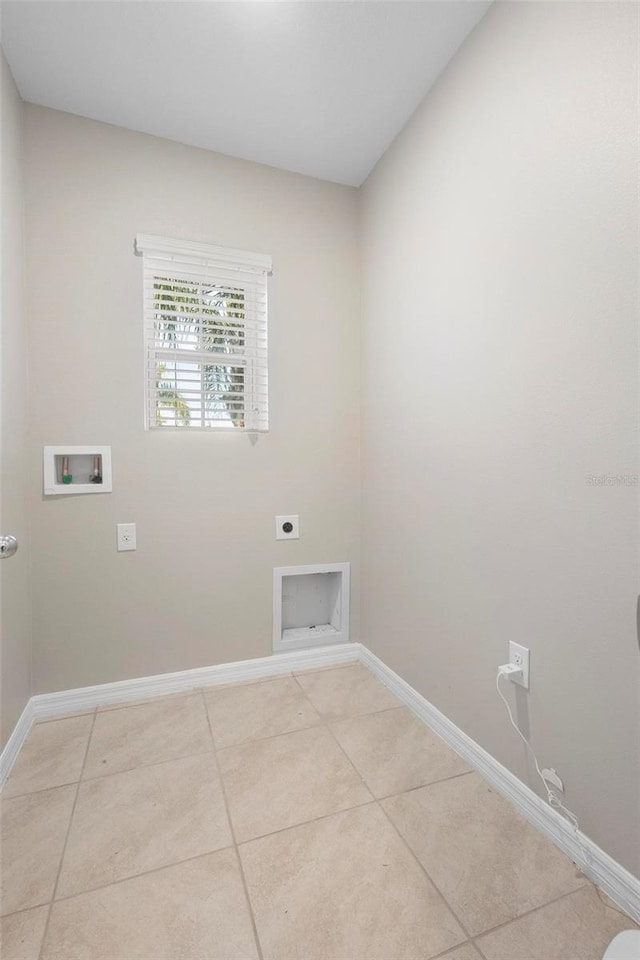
column 510, row 670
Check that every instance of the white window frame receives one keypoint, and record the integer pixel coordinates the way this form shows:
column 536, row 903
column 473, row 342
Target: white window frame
column 213, row 264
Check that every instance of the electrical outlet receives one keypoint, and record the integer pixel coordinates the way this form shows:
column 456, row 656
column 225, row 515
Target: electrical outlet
column 519, row 656
column 288, row 528
column 126, row 536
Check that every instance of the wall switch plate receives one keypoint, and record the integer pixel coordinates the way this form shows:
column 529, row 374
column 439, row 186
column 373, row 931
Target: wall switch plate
column 519, row 656
column 288, row 528
column 126, row 536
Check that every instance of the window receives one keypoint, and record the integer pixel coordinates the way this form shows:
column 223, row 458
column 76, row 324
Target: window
column 205, row 318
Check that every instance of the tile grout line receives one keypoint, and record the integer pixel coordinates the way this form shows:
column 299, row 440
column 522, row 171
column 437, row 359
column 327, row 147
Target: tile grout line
column 541, row 906
column 180, row 694
column 231, row 684
column 116, row 773
column 271, row 736
column 176, row 694
column 63, row 716
column 35, row 906
column 403, row 841
column 4, row 790
column 357, row 716
column 34, row 793
column 422, row 786
column 233, row 834
column 330, row 666
column 304, row 823
column 450, row 950
column 369, row 713
column 112, row 773
column 146, row 766
column 126, row 704
column 66, row 838
column 350, row 762
column 321, row 721
column 136, row 876
column 427, row 875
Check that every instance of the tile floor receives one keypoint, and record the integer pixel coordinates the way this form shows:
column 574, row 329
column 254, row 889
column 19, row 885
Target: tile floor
column 308, row 817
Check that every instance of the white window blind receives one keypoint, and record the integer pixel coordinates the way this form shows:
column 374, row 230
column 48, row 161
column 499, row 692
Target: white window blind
column 205, row 317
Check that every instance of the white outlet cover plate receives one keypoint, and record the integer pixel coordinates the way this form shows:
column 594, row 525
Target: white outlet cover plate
column 519, row 656
column 126, row 536
column 294, row 520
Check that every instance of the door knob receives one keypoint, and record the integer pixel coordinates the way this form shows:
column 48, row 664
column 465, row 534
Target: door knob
column 8, row 546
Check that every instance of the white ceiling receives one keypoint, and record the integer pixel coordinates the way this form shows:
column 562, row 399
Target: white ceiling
column 321, row 88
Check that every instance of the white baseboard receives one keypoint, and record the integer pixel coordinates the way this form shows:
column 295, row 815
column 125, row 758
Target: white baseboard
column 141, row 688
column 44, row 706
column 603, row 870
column 14, row 743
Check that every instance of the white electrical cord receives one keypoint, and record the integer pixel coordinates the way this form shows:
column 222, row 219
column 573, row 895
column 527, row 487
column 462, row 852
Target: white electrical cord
column 553, row 798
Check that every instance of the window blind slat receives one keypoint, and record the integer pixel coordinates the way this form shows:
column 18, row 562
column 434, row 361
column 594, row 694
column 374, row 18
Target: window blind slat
column 209, row 303
column 216, row 354
column 206, row 342
column 175, row 330
column 154, row 380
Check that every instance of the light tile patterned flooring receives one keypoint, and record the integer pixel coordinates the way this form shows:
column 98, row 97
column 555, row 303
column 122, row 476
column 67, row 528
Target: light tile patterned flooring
column 308, row 817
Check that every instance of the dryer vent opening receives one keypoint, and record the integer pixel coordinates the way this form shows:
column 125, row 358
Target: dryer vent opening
column 310, row 606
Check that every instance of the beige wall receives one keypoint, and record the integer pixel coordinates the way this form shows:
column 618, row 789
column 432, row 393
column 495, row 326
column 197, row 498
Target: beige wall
column 15, row 687
column 499, row 369
column 198, row 590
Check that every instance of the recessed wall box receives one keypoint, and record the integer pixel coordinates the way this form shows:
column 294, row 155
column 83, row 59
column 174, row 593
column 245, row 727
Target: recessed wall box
column 310, row 605
column 69, row 469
